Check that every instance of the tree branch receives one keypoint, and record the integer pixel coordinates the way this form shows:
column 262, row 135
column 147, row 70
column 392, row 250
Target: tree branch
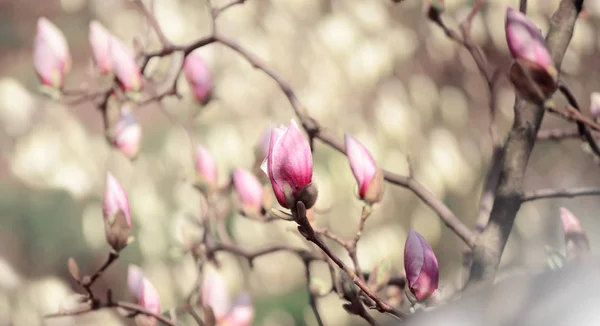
column 556, row 193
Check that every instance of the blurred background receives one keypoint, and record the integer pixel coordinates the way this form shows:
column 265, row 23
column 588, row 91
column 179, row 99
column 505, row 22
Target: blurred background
column 378, row 70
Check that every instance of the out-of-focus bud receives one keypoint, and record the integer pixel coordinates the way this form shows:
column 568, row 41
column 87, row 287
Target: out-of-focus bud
column 262, row 147
column 199, row 77
column 420, row 266
column 117, row 218
column 368, row 176
column 51, row 56
column 100, row 43
column 242, row 312
column 215, row 295
column 533, row 73
column 595, row 105
column 206, row 167
column 145, row 293
column 290, row 165
column 248, row 188
column 127, row 134
column 124, row 66
column 576, row 241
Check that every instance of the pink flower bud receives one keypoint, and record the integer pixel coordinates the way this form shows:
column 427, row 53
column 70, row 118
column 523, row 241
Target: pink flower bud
column 576, row 241
column 51, row 56
column 135, row 276
column 570, row 222
column 289, row 163
column 100, row 43
column 248, row 188
column 145, row 293
column 420, row 266
column 215, row 295
column 525, row 40
column 148, row 297
column 206, row 166
column 242, row 312
column 124, row 66
column 595, row 105
column 127, row 135
column 364, row 169
column 198, row 76
column 115, row 199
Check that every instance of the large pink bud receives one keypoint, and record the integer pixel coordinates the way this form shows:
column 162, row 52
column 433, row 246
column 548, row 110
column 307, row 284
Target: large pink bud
column 290, row 165
column 145, row 293
column 100, row 43
column 124, row 66
column 248, row 188
column 127, row 135
column 117, row 216
column 205, row 165
column 420, row 266
column 51, row 56
column 215, row 294
column 525, row 40
column 368, row 176
column 199, row 77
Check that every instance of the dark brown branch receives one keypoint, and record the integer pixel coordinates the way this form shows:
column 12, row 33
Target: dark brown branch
column 556, row 193
column 517, row 149
column 88, row 281
column 581, row 127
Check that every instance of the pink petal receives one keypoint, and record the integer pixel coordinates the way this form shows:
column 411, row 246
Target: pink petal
column 149, row 298
column 135, row 276
column 241, row 314
column 215, row 294
column 198, row 76
column 525, row 40
column 124, row 66
column 570, row 222
column 420, row 266
column 289, row 161
column 115, row 198
column 595, row 104
column 100, row 39
column 51, row 55
column 361, row 162
column 248, row 188
column 206, row 165
column 128, row 135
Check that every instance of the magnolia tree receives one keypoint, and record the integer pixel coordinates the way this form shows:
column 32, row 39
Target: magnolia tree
column 284, row 164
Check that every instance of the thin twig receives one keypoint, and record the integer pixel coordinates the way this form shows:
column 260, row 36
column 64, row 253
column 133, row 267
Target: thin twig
column 556, row 193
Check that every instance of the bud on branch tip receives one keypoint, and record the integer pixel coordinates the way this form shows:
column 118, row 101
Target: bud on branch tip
column 368, row 176
column 420, row 266
column 51, row 56
column 199, row 77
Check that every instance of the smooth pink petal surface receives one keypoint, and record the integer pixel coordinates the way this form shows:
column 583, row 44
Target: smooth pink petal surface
column 241, row 314
column 51, row 55
column 420, row 266
column 115, row 198
column 361, row 162
column 525, row 40
column 124, row 67
column 595, row 104
column 215, row 294
column 128, row 135
column 149, row 298
column 198, row 76
column 135, row 276
column 248, row 188
column 206, row 165
column 100, row 43
column 570, row 222
column 289, row 161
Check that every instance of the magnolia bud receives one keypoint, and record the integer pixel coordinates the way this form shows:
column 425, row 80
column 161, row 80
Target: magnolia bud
column 242, row 312
column 100, row 44
column 215, row 295
column 205, row 165
column 145, row 293
column 51, row 56
column 127, row 134
column 199, row 77
column 420, row 266
column 117, row 218
column 576, row 240
column 289, row 163
column 368, row 176
column 595, row 105
column 124, row 66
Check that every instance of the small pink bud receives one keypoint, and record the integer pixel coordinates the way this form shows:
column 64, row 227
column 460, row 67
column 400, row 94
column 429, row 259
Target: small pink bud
column 206, row 166
column 420, row 266
column 525, row 40
column 51, row 56
column 367, row 175
column 576, row 240
column 242, row 312
column 595, row 105
column 127, row 135
column 145, row 293
column 124, row 66
column 570, row 222
column 289, row 163
column 248, row 188
column 135, row 276
column 115, row 199
column 199, row 77
column 215, row 295
column 100, row 43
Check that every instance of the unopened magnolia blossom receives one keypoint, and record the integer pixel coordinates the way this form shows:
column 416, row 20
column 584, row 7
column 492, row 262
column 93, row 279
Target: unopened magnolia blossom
column 576, row 240
column 215, row 294
column 367, row 174
column 117, row 216
column 290, row 165
column 198, row 76
column 127, row 134
column 145, row 293
column 420, row 266
column 205, row 165
column 100, row 39
column 595, row 105
column 124, row 66
column 51, row 56
column 248, row 188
